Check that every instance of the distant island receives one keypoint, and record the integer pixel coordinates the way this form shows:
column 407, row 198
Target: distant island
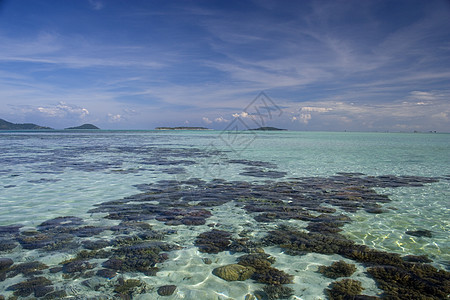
column 269, row 129
column 181, row 128
column 84, row 127
column 5, row 125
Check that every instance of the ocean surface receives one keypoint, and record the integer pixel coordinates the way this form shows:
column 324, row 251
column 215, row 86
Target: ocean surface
column 168, row 208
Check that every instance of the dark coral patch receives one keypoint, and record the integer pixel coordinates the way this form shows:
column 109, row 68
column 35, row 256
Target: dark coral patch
column 37, row 285
column 344, row 289
column 420, row 233
column 27, row 269
column 274, row 292
column 300, row 242
column 166, row 290
column 412, row 281
column 60, row 223
column 213, row 241
column 258, row 261
column 272, row 276
column 338, row 269
column 140, row 257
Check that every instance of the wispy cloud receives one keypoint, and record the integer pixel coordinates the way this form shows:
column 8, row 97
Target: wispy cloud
column 325, row 65
column 62, row 110
column 74, row 52
column 96, row 4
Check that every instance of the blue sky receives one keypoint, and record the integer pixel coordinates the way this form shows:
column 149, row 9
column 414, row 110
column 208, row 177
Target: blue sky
column 326, row 65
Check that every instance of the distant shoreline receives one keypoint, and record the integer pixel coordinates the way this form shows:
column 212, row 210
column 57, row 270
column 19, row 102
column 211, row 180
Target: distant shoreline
column 268, row 129
column 182, row 128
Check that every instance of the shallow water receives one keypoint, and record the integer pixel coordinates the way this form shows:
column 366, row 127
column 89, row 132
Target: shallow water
column 45, row 175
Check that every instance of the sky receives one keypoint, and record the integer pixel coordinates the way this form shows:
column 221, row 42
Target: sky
column 301, row 65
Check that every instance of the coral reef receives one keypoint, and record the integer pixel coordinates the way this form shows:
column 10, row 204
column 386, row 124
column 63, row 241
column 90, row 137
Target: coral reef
column 106, row 273
column 275, row 292
column 412, row 281
column 27, row 269
column 300, row 242
column 96, row 244
column 37, row 285
column 213, row 241
column 344, row 289
column 5, row 263
column 338, row 269
column 137, row 247
column 417, row 258
column 138, row 258
column 234, row 272
column 60, row 224
column 272, row 276
column 126, row 289
column 258, row 261
column 77, row 266
column 7, row 244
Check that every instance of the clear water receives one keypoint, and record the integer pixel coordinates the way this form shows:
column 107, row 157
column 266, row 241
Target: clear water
column 44, row 175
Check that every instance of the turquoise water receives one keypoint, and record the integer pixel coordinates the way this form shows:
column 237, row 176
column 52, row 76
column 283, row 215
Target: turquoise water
column 46, row 175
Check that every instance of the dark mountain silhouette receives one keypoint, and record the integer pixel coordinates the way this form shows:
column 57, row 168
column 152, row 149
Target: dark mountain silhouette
column 5, row 125
column 84, row 126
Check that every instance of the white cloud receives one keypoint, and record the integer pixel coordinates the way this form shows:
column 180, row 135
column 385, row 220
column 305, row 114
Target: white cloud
column 114, row 118
column 242, row 115
column 62, row 110
column 305, row 113
column 304, row 118
column 206, row 120
column 419, row 95
column 221, row 120
column 315, row 109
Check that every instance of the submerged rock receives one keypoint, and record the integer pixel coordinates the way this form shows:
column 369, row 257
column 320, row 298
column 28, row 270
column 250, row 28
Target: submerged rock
column 166, row 290
column 420, row 233
column 106, row 273
column 417, row 258
column 5, row 263
column 7, row 244
column 207, row 260
column 234, row 272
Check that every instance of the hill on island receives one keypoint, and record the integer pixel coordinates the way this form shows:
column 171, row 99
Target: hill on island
column 84, row 126
column 5, row 125
column 269, row 129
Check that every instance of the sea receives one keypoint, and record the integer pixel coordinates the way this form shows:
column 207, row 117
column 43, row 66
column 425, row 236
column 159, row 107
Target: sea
column 155, row 214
